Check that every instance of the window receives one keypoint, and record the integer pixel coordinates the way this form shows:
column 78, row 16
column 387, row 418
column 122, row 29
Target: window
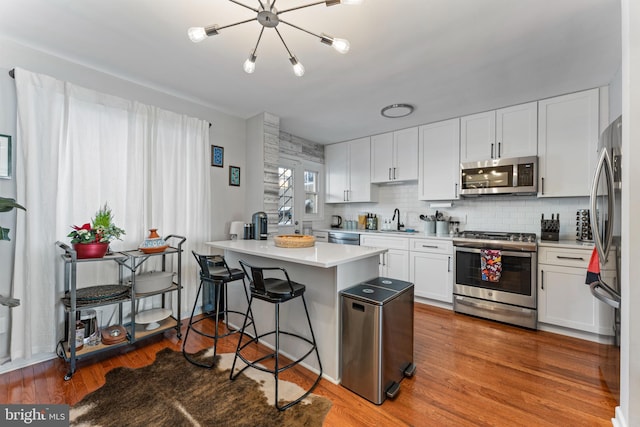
column 299, row 191
column 286, row 196
column 311, row 200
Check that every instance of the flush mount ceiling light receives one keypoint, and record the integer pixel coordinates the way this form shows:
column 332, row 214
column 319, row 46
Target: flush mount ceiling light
column 269, row 17
column 395, row 111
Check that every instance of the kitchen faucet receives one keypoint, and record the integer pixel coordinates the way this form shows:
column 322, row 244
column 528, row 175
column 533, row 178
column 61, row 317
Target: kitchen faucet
column 397, row 212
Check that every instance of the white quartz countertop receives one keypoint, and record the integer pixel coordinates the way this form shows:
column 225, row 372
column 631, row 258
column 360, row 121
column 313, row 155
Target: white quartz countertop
column 391, row 233
column 323, row 254
column 566, row 244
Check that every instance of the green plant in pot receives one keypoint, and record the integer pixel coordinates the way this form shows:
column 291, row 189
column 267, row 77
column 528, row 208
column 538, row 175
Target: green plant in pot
column 91, row 240
column 6, row 205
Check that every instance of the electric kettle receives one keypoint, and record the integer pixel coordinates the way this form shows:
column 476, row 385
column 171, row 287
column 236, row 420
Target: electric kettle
column 336, row 221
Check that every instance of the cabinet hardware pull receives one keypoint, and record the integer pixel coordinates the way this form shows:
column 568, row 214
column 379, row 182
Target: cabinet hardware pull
column 570, row 257
column 542, row 186
column 492, row 150
column 429, row 246
column 499, row 144
column 455, row 190
column 394, row 173
column 449, row 264
column 389, row 174
column 542, row 279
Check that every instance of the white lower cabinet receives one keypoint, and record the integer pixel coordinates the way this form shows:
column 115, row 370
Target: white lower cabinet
column 563, row 297
column 431, row 269
column 395, row 262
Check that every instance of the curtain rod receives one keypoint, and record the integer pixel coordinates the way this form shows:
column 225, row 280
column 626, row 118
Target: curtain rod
column 12, row 73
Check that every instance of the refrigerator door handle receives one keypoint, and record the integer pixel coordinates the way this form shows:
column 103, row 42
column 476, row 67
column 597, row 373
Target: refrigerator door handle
column 604, row 164
column 607, row 295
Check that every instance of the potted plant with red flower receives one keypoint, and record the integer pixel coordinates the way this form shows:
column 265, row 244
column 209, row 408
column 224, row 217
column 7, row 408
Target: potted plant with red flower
column 91, row 240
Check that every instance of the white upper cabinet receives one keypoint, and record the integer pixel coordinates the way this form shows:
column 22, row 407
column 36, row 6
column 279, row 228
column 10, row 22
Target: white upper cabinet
column 507, row 132
column 337, row 169
column 394, row 156
column 477, row 136
column 348, row 171
column 439, row 160
column 517, row 131
column 568, row 134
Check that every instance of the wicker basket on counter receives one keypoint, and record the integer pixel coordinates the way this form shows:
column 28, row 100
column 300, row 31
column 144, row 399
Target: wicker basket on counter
column 294, row 241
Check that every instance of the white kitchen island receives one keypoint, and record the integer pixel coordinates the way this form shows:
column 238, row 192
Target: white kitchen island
column 325, row 269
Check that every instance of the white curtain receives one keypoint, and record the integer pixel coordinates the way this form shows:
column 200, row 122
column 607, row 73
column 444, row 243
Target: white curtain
column 77, row 149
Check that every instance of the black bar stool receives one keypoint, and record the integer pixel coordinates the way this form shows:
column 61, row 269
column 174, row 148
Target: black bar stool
column 214, row 270
column 275, row 291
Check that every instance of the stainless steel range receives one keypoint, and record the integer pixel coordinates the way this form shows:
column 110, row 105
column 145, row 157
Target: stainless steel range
column 495, row 276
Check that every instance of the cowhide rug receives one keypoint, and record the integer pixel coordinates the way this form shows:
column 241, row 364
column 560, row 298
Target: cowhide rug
column 172, row 392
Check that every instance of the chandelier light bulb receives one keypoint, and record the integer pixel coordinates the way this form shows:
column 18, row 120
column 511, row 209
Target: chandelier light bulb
column 341, row 45
column 250, row 64
column 298, row 69
column 197, row 34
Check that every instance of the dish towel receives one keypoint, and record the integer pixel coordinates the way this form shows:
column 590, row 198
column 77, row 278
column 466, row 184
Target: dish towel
column 491, row 264
column 593, row 270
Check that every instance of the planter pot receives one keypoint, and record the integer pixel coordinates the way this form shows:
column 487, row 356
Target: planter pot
column 90, row 250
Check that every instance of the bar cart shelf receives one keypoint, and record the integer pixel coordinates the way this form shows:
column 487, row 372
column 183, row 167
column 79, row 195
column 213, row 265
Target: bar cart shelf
column 123, row 292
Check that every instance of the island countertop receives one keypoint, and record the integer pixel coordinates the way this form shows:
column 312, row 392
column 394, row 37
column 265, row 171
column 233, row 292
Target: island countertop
column 323, row 254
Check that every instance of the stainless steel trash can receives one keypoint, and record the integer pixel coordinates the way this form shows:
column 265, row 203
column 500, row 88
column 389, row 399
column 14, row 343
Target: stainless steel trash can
column 377, row 337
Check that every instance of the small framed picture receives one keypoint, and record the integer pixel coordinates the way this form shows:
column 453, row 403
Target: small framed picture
column 5, row 156
column 234, row 176
column 217, row 156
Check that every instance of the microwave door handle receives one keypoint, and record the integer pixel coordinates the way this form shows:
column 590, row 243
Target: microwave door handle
column 604, row 165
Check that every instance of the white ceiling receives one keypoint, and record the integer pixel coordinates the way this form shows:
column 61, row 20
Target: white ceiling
column 446, row 57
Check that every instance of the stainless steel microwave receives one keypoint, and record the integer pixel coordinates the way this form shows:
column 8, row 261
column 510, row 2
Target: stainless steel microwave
column 518, row 175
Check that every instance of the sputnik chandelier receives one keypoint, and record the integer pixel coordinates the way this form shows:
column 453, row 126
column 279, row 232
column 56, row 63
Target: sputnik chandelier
column 269, row 17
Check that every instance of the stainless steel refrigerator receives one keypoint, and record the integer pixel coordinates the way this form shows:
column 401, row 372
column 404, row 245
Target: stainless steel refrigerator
column 605, row 225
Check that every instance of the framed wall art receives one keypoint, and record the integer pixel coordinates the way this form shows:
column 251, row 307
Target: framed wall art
column 217, row 156
column 234, row 176
column 5, row 156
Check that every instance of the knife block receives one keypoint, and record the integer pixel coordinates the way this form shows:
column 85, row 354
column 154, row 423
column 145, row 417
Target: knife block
column 550, row 229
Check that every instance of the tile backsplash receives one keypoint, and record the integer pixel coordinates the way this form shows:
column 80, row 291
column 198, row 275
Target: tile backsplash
column 488, row 213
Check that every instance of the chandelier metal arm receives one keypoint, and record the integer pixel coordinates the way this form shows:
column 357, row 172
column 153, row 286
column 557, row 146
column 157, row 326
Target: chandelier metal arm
column 255, row 49
column 245, row 6
column 301, row 7
column 301, row 29
column 237, row 23
column 285, row 45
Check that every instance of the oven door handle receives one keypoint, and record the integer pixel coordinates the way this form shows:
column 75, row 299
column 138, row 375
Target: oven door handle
column 504, row 252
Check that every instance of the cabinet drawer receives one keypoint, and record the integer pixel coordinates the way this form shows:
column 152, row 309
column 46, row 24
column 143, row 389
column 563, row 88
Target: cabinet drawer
column 432, row 246
column 321, row 236
column 385, row 242
column 578, row 258
column 565, row 257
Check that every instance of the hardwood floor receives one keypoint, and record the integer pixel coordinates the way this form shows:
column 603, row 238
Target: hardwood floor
column 470, row 372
